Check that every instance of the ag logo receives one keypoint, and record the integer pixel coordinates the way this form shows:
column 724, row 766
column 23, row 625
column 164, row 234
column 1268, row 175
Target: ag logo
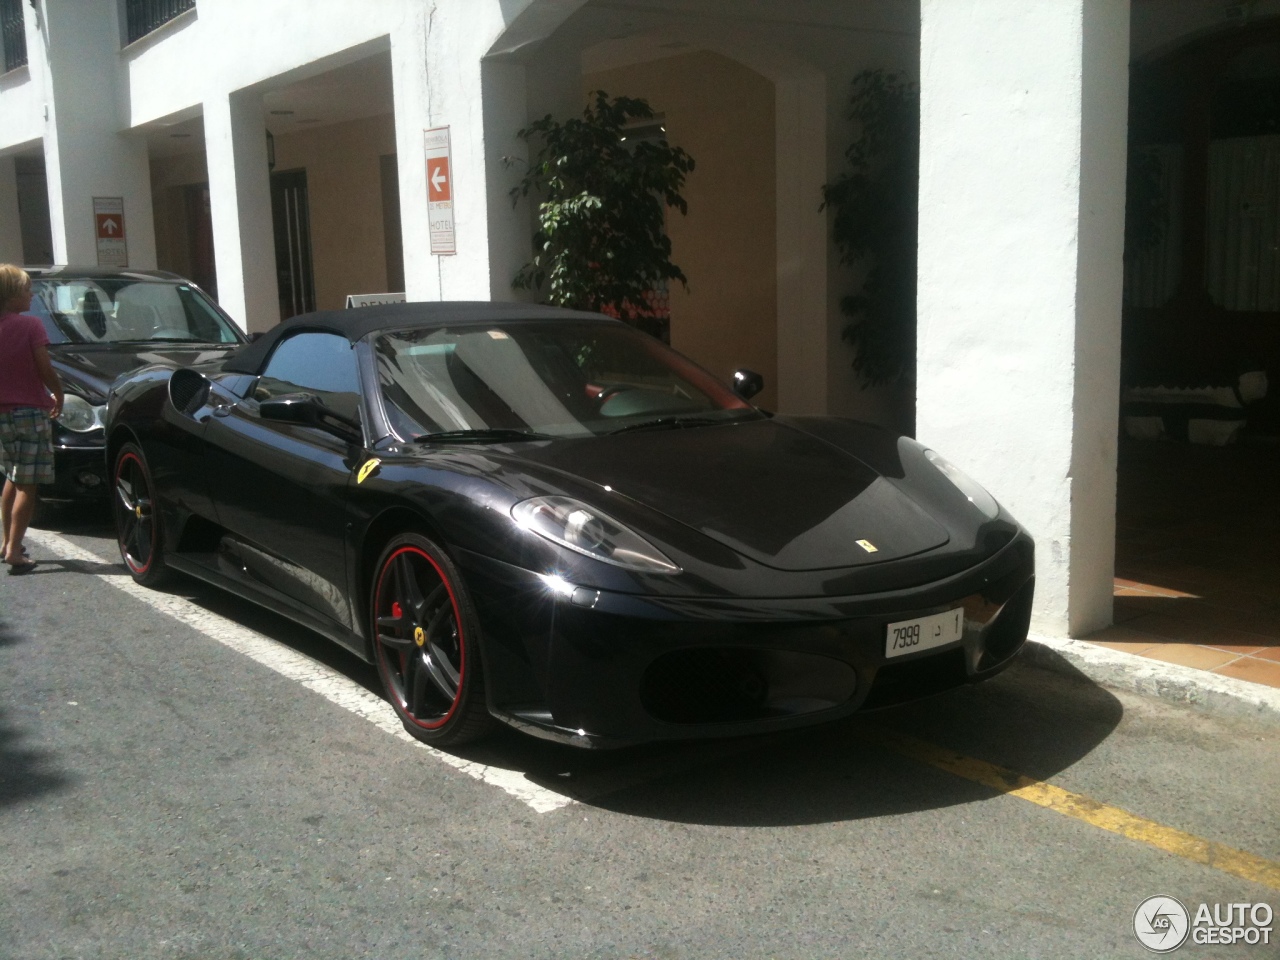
column 1161, row 924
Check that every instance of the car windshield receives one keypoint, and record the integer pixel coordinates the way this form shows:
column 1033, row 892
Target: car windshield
column 553, row 378
column 123, row 309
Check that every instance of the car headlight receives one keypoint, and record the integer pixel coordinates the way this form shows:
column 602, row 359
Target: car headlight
column 573, row 524
column 977, row 495
column 79, row 415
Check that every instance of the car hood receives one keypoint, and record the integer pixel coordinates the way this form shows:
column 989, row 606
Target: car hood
column 94, row 366
column 766, row 490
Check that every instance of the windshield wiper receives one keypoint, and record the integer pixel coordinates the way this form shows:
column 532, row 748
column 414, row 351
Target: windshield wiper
column 480, row 435
column 107, row 343
column 673, row 423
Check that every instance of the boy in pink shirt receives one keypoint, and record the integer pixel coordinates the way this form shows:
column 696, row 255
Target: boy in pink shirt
column 30, row 398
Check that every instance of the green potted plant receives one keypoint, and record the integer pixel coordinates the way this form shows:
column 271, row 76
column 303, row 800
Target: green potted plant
column 875, row 205
column 601, row 240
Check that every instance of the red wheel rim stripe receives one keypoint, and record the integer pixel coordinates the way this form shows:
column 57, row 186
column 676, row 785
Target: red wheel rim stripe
column 457, row 619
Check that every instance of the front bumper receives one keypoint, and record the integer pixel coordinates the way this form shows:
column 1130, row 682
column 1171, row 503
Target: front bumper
column 599, row 669
column 79, row 474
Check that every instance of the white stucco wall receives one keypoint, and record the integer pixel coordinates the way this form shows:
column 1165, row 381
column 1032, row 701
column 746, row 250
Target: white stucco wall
column 1021, row 220
column 88, row 151
column 220, row 62
column 473, row 65
column 23, row 91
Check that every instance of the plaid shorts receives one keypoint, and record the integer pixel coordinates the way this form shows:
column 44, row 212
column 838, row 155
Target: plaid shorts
column 26, row 445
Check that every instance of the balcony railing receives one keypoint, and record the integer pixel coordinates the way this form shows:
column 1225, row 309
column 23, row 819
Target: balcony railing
column 14, row 34
column 143, row 16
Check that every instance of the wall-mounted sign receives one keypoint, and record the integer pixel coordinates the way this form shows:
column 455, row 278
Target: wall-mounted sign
column 370, row 299
column 440, row 192
column 108, row 225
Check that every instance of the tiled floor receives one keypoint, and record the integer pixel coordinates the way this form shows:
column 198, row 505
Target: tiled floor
column 1198, row 558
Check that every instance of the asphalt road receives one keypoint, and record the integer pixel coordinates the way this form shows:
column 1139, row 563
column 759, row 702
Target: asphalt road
column 184, row 776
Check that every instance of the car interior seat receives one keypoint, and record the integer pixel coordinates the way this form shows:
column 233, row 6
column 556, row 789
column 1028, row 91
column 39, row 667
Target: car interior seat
column 135, row 321
column 92, row 317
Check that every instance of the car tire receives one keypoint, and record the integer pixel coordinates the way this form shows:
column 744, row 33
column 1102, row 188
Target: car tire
column 426, row 643
column 139, row 528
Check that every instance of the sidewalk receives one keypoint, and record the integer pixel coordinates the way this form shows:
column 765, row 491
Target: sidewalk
column 1197, row 588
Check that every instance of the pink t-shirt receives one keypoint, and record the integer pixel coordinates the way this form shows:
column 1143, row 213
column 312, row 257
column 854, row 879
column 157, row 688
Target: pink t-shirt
column 20, row 383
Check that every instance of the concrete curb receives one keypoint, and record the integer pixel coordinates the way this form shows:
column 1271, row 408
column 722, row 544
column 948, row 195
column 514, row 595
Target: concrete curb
column 1222, row 696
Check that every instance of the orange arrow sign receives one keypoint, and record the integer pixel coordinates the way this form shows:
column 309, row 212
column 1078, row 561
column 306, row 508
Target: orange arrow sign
column 109, row 225
column 438, row 179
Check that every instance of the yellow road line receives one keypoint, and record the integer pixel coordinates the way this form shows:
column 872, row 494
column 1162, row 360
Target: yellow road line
column 1238, row 863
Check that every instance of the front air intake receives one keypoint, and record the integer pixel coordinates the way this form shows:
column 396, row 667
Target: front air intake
column 732, row 684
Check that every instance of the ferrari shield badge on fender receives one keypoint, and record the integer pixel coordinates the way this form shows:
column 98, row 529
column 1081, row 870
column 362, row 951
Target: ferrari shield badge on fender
column 366, row 468
column 868, row 546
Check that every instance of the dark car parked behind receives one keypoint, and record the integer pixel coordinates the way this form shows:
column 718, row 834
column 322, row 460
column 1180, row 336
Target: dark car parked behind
column 106, row 323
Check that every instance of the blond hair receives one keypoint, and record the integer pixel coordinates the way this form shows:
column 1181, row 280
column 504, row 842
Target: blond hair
column 14, row 282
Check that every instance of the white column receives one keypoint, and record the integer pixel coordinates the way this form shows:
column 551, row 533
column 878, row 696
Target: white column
column 411, row 97
column 1023, row 128
column 505, row 113
column 457, row 67
column 87, row 151
column 240, row 207
column 10, row 221
column 436, row 73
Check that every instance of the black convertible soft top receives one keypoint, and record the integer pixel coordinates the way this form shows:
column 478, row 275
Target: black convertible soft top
column 358, row 323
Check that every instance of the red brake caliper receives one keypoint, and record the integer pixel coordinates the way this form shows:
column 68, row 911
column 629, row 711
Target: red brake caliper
column 397, row 611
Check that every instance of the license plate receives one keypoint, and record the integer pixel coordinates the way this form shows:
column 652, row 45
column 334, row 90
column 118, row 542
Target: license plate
column 924, row 633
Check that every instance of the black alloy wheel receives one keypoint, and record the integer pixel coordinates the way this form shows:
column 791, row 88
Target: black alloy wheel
column 424, row 629
column 138, row 525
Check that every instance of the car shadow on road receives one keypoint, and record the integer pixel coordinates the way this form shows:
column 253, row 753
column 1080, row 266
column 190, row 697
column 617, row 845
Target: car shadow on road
column 25, row 772
column 1029, row 720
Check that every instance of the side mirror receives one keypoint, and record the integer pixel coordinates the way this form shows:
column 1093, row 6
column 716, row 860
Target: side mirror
column 308, row 410
column 747, row 383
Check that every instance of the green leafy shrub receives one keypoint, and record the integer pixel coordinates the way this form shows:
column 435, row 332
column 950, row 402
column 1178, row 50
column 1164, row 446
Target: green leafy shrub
column 876, row 207
column 601, row 240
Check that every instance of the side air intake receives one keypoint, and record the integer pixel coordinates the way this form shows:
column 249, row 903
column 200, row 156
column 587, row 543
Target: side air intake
column 188, row 391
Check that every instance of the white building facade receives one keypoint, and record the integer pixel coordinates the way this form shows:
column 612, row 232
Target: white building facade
column 274, row 151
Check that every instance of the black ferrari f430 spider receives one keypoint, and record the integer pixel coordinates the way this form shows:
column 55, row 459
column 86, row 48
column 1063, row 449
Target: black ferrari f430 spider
column 549, row 519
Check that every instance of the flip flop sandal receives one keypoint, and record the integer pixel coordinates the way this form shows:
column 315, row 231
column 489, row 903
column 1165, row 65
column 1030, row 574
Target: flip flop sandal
column 18, row 569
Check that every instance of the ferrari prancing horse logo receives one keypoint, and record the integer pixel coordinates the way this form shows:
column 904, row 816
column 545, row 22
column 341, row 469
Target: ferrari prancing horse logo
column 868, row 546
column 367, row 468
column 419, row 636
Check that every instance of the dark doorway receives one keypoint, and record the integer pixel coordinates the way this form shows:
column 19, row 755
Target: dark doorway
column 291, row 217
column 33, row 210
column 391, row 222
column 1202, row 270
column 200, row 237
